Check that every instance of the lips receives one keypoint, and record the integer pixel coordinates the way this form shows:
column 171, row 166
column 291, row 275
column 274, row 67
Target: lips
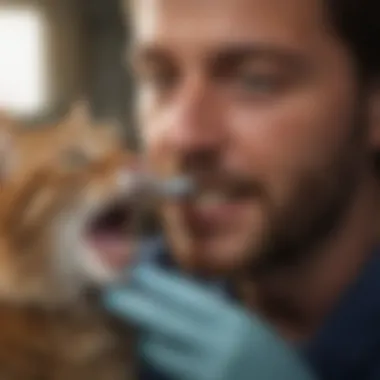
column 214, row 211
column 213, row 206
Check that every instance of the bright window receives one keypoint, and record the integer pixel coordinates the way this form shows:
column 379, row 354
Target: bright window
column 23, row 66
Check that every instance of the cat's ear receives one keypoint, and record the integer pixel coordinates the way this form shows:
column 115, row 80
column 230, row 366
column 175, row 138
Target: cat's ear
column 111, row 129
column 7, row 147
column 80, row 111
column 79, row 117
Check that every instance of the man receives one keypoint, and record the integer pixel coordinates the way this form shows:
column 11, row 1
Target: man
column 273, row 107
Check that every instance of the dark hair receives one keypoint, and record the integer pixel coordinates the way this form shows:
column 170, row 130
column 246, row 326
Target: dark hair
column 357, row 23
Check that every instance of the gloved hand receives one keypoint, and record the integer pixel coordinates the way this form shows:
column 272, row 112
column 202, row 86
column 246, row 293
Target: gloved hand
column 189, row 333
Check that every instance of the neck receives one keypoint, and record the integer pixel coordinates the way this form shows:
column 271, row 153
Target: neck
column 297, row 300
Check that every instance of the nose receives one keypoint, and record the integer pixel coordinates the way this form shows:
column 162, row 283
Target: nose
column 193, row 121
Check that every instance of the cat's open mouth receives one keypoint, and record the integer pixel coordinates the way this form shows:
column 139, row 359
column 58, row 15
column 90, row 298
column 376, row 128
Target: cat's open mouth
column 111, row 232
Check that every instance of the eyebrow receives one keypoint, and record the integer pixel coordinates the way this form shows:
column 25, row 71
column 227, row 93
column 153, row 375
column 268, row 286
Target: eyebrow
column 230, row 54
column 235, row 54
column 146, row 54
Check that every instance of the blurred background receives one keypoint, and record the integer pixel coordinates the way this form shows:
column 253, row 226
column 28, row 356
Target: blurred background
column 54, row 52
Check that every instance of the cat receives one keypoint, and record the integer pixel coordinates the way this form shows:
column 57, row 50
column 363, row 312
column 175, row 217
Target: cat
column 77, row 131
column 66, row 230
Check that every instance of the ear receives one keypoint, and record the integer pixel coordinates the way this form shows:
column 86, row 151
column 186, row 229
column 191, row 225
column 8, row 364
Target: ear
column 80, row 111
column 7, row 147
column 112, row 128
column 79, row 118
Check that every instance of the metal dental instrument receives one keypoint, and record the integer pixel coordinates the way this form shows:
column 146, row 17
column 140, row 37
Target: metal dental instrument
column 176, row 187
column 153, row 188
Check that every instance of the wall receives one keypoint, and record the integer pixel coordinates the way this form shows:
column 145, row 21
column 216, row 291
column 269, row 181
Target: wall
column 86, row 50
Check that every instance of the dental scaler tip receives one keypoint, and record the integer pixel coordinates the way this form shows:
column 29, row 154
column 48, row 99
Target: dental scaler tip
column 176, row 187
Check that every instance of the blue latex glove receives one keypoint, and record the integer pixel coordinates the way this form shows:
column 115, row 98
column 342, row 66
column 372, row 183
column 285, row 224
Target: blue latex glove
column 190, row 333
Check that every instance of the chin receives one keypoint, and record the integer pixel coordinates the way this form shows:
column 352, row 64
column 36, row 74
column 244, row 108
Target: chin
column 213, row 258
column 227, row 250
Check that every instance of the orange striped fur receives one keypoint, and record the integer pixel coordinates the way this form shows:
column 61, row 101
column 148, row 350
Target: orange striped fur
column 52, row 326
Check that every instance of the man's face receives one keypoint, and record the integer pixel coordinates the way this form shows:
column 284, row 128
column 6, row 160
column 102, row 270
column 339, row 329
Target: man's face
column 258, row 102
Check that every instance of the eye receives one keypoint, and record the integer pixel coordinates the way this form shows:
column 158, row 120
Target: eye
column 258, row 83
column 74, row 158
column 159, row 81
column 159, row 78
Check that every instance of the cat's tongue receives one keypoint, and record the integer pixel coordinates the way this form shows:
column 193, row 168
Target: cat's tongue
column 115, row 250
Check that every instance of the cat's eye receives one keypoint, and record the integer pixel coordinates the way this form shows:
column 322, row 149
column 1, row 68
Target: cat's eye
column 74, row 158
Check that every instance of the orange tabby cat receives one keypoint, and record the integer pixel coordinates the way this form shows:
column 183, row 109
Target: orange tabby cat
column 64, row 222
column 77, row 132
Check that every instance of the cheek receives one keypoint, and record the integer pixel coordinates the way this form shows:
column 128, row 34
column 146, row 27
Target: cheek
column 159, row 158
column 148, row 114
column 158, row 154
column 280, row 143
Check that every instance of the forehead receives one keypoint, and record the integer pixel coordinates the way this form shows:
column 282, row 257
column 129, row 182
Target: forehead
column 204, row 23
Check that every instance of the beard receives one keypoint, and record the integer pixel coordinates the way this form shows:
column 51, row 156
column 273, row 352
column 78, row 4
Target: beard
column 292, row 230
column 320, row 202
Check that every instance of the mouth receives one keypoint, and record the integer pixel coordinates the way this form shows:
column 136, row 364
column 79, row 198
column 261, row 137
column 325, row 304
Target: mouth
column 217, row 200
column 111, row 233
column 215, row 209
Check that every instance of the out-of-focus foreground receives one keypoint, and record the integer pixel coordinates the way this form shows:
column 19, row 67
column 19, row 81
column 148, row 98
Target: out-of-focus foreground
column 63, row 173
